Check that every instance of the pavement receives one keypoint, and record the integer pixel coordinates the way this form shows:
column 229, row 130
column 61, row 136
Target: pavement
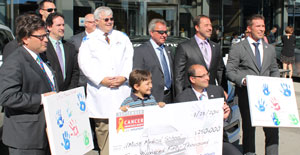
column 289, row 138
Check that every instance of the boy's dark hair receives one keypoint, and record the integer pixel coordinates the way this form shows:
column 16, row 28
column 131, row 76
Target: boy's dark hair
column 137, row 76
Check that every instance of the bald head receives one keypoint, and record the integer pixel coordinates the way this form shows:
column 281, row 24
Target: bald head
column 89, row 23
column 199, row 77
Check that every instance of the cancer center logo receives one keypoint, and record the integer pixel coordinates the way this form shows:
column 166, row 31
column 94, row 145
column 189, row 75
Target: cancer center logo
column 130, row 120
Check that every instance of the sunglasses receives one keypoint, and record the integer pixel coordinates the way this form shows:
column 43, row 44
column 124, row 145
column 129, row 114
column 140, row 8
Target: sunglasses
column 50, row 9
column 107, row 19
column 40, row 37
column 161, row 32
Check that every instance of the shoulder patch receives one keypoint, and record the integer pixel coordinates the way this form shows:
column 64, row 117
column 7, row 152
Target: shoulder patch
column 85, row 38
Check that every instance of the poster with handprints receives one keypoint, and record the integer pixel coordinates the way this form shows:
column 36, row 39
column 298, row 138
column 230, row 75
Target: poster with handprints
column 68, row 124
column 272, row 102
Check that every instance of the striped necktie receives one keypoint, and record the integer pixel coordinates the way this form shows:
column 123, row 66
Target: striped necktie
column 40, row 62
column 106, row 38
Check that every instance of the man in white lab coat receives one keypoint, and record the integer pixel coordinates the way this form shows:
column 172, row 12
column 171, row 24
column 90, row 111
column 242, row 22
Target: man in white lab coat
column 105, row 57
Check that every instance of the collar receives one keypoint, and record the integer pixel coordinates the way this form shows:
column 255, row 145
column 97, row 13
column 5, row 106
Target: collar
column 199, row 41
column 198, row 94
column 53, row 41
column 34, row 55
column 135, row 98
column 250, row 40
column 102, row 33
column 155, row 46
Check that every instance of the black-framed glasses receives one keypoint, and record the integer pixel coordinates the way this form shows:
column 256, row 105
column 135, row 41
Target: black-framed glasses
column 50, row 9
column 40, row 37
column 202, row 76
column 107, row 19
column 161, row 32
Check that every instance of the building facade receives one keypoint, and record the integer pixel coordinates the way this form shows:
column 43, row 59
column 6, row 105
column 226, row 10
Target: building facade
column 132, row 16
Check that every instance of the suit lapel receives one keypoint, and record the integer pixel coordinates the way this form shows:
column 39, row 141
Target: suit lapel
column 35, row 66
column 266, row 55
column 197, row 50
column 170, row 60
column 213, row 55
column 54, row 62
column 210, row 93
column 67, row 56
column 154, row 56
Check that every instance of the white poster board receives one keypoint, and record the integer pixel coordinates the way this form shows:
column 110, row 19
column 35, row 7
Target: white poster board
column 68, row 125
column 190, row 128
column 272, row 102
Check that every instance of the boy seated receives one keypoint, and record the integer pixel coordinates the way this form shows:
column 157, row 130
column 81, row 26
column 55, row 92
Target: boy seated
column 141, row 83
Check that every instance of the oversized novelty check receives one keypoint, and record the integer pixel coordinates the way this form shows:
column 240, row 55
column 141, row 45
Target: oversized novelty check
column 191, row 128
column 272, row 102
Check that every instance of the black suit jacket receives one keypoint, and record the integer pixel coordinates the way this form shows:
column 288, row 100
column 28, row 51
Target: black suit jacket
column 145, row 58
column 22, row 83
column 71, row 65
column 9, row 48
column 189, row 95
column 187, row 54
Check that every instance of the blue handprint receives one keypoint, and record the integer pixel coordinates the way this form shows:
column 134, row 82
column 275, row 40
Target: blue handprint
column 82, row 105
column 261, row 105
column 69, row 112
column 66, row 142
column 286, row 89
column 266, row 89
column 275, row 119
column 60, row 120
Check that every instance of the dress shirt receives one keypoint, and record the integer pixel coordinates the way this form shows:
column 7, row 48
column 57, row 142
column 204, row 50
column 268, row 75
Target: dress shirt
column 260, row 48
column 203, row 94
column 53, row 41
column 157, row 52
column 208, row 48
column 98, row 60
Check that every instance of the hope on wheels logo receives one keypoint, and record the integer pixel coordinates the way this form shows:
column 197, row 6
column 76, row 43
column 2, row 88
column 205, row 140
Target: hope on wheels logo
column 130, row 120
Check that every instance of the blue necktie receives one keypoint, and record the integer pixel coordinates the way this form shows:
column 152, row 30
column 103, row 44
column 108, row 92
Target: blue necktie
column 164, row 64
column 40, row 62
column 257, row 55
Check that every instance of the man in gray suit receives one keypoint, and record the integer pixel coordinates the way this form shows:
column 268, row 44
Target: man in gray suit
column 252, row 56
column 199, row 50
column 154, row 57
column 24, row 80
column 201, row 90
column 89, row 25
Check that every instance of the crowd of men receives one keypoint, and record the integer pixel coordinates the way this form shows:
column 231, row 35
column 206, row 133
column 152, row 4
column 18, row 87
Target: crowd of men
column 40, row 63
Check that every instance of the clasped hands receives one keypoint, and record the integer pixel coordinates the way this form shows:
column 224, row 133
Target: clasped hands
column 113, row 82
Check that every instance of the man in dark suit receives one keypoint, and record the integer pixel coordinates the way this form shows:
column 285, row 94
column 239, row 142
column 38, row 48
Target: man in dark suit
column 252, row 56
column 61, row 54
column 24, row 80
column 89, row 25
column 199, row 50
column 154, row 57
column 201, row 90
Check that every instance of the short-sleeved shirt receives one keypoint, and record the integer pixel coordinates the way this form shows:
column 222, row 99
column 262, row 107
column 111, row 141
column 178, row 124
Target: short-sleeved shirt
column 134, row 101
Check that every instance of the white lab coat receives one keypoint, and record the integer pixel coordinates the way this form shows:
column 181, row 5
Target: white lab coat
column 98, row 59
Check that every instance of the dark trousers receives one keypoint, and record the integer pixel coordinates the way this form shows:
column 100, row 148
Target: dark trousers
column 229, row 149
column 271, row 134
column 168, row 97
column 15, row 151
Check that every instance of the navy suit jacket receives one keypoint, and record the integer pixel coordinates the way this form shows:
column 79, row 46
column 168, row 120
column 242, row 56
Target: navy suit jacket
column 145, row 58
column 22, row 83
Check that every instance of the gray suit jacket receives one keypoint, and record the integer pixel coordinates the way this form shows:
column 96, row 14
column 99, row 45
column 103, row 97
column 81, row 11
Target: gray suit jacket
column 22, row 83
column 77, row 39
column 189, row 95
column 187, row 54
column 145, row 58
column 242, row 62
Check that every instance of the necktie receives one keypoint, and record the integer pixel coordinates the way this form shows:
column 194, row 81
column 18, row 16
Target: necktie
column 40, row 62
column 60, row 58
column 164, row 64
column 106, row 38
column 201, row 97
column 206, row 53
column 257, row 55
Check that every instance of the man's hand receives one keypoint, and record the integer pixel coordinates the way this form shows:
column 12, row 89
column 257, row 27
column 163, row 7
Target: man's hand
column 49, row 93
column 161, row 104
column 226, row 110
column 244, row 82
column 117, row 81
column 107, row 81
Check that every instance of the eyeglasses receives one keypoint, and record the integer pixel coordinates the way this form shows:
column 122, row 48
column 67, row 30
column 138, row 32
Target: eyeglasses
column 161, row 32
column 107, row 19
column 50, row 9
column 40, row 37
column 201, row 76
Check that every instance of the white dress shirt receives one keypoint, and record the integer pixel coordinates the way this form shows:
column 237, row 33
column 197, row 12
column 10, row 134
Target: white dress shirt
column 97, row 59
